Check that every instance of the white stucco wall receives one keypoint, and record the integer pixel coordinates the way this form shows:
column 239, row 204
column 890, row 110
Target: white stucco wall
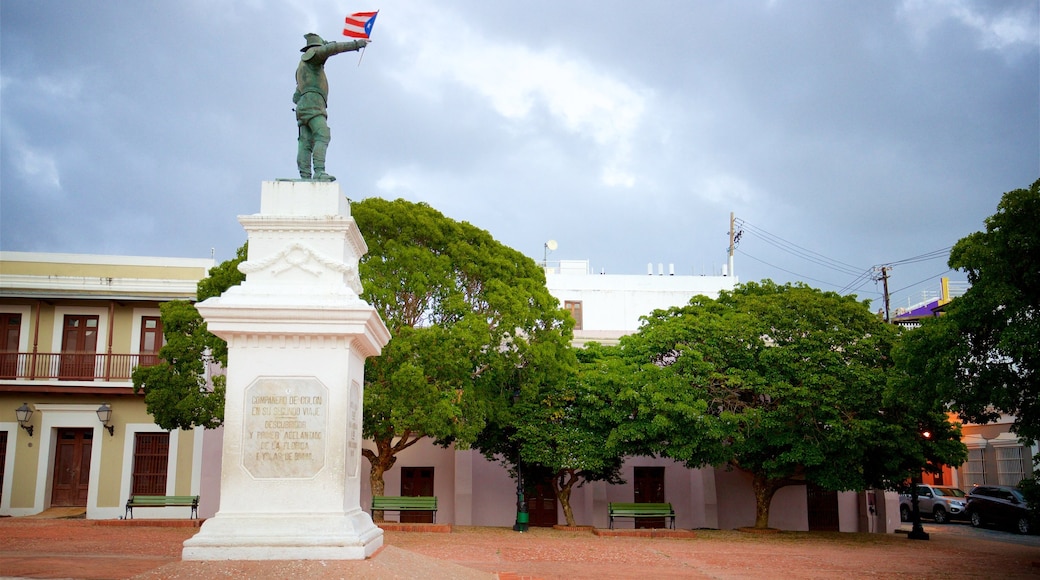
column 612, row 304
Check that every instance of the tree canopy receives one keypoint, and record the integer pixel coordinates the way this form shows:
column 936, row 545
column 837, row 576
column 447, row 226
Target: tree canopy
column 787, row 383
column 471, row 322
column 990, row 361
column 566, row 431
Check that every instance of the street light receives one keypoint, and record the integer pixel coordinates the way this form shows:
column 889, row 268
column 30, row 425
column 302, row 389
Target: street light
column 917, row 532
column 104, row 414
column 522, row 517
column 23, row 414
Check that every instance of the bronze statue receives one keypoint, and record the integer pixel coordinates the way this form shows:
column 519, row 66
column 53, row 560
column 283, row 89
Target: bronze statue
column 311, row 96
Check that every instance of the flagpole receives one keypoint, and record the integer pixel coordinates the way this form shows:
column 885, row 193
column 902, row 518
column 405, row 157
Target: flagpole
column 361, row 56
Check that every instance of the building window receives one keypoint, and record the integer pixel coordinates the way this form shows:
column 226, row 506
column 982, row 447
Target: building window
column 151, row 459
column 1011, row 467
column 151, row 340
column 974, row 468
column 10, row 332
column 574, row 307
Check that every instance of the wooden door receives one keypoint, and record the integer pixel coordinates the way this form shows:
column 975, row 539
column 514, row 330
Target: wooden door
column 415, row 482
column 823, row 509
column 541, row 503
column 10, row 331
column 79, row 347
column 649, row 488
column 151, row 341
column 71, row 467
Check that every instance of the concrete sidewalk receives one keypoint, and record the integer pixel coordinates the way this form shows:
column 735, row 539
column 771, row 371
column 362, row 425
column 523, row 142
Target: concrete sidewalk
column 38, row 548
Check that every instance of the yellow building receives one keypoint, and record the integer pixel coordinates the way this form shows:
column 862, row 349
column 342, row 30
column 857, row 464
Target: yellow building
column 72, row 329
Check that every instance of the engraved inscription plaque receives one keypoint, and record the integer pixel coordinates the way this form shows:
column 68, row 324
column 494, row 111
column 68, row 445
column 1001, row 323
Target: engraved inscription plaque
column 285, row 427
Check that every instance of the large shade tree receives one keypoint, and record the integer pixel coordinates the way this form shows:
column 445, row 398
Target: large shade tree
column 471, row 321
column 985, row 349
column 788, row 384
column 565, row 431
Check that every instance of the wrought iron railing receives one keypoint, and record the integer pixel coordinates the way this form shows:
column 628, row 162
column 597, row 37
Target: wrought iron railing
column 71, row 366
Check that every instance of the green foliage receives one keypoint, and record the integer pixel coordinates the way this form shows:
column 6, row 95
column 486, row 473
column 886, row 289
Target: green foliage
column 564, row 431
column 787, row 383
column 175, row 390
column 471, row 322
column 1030, row 487
column 993, row 366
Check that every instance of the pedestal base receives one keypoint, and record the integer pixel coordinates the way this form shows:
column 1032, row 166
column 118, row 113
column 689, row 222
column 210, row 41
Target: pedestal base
column 288, row 536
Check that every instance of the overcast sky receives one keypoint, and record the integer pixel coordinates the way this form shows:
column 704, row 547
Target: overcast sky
column 842, row 135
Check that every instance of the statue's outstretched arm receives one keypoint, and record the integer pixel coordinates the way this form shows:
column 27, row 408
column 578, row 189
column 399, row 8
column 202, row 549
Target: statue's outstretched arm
column 331, row 48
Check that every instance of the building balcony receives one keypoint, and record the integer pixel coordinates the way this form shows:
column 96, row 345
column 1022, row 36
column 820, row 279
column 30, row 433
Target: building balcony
column 59, row 371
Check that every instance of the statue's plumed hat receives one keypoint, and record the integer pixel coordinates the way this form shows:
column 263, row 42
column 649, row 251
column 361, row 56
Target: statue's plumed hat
column 312, row 40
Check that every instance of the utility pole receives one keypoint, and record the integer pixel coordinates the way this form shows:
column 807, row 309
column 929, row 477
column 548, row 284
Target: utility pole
column 884, row 278
column 732, row 242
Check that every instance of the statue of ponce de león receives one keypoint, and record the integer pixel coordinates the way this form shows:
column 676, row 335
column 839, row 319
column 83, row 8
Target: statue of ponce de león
column 311, row 97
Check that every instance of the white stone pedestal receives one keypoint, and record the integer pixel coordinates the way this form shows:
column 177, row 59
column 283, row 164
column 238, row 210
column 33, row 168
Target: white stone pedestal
column 298, row 336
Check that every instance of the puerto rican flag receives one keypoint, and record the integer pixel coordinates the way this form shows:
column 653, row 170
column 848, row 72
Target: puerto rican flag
column 359, row 24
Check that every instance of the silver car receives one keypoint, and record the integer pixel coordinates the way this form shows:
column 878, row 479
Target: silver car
column 937, row 502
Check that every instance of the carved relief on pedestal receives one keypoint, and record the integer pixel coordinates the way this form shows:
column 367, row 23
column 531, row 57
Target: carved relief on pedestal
column 300, row 257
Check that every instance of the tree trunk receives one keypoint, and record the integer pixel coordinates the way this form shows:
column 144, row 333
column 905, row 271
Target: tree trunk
column 764, row 488
column 563, row 483
column 381, row 462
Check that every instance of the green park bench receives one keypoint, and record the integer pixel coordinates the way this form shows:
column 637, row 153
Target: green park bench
column 397, row 503
column 139, row 501
column 641, row 510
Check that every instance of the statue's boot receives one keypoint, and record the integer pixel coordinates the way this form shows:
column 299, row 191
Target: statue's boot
column 321, row 146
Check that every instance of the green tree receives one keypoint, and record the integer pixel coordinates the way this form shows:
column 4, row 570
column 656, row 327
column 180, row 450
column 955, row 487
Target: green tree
column 564, row 431
column 471, row 322
column 786, row 383
column 176, row 392
column 992, row 363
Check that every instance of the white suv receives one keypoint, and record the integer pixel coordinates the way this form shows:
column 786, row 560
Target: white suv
column 937, row 502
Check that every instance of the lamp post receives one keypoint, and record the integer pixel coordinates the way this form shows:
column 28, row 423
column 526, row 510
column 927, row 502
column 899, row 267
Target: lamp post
column 917, row 531
column 522, row 517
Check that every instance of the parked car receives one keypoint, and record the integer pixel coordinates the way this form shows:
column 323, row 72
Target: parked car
column 1002, row 505
column 937, row 502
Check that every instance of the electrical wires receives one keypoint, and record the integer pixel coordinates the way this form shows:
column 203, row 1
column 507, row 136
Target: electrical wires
column 860, row 276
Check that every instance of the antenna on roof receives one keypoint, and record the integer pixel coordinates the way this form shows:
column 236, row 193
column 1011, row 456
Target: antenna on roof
column 550, row 246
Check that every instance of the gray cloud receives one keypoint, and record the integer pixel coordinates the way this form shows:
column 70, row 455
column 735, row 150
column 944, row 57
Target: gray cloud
column 865, row 132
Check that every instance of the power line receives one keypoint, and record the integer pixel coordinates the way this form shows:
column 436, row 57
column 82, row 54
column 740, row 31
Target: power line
column 800, row 276
column 861, row 276
column 921, row 281
column 796, row 250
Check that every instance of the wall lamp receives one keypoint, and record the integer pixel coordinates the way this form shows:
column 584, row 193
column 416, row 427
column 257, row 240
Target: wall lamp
column 24, row 413
column 104, row 414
